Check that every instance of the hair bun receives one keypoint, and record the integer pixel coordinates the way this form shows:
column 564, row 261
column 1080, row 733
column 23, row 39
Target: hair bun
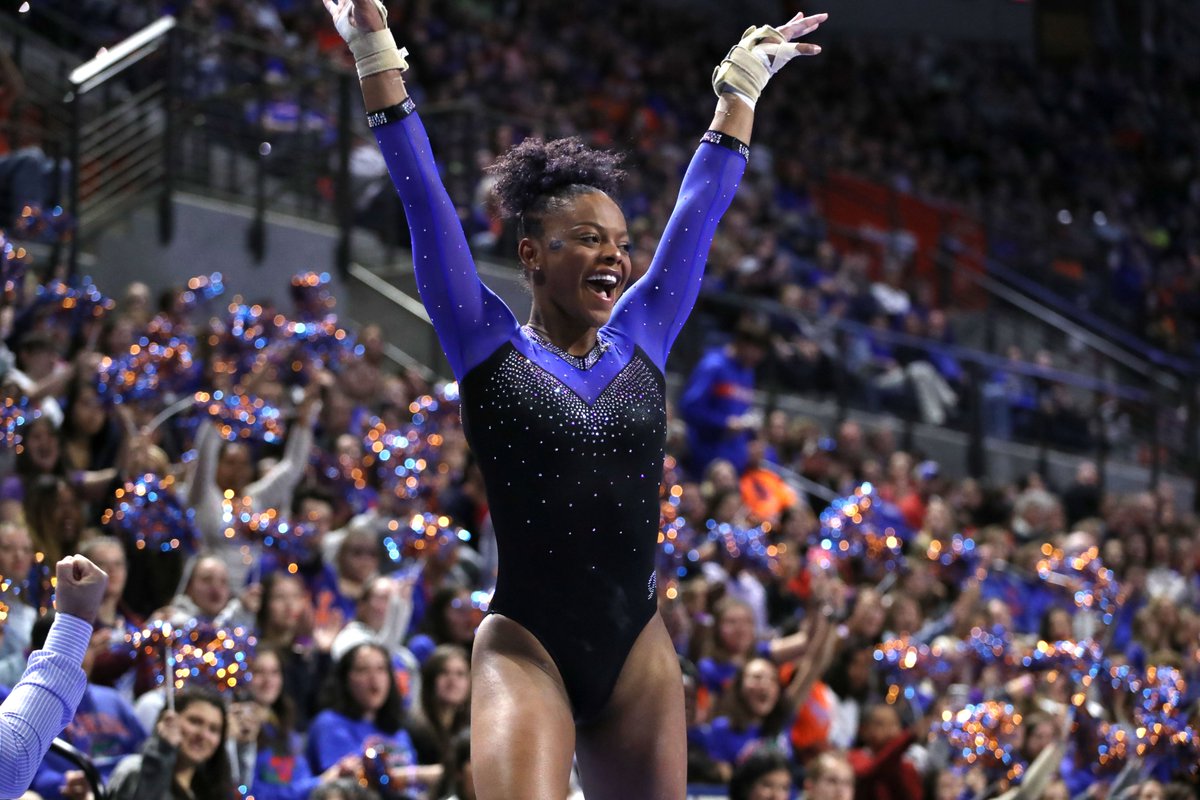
column 537, row 169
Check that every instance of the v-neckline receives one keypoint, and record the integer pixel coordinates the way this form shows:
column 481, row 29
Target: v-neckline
column 583, row 362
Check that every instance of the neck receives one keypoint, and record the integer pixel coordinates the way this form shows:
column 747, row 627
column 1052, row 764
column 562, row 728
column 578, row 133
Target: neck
column 183, row 776
column 574, row 337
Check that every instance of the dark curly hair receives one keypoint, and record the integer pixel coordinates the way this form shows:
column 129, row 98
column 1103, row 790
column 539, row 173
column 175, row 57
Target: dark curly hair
column 535, row 175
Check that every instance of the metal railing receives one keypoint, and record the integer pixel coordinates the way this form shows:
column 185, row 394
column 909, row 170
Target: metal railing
column 121, row 134
column 1076, row 413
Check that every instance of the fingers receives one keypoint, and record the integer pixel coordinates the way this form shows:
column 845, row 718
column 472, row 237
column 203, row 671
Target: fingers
column 801, row 25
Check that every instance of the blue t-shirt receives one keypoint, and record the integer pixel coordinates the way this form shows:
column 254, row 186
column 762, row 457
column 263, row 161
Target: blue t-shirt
column 332, row 736
column 724, row 743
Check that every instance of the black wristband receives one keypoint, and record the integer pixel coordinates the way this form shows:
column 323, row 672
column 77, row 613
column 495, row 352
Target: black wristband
column 391, row 114
column 728, row 142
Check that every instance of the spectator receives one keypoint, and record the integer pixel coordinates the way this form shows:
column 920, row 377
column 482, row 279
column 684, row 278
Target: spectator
column 185, row 758
column 717, row 401
column 763, row 775
column 16, row 572
column 44, row 700
column 882, row 769
column 362, row 705
column 104, row 728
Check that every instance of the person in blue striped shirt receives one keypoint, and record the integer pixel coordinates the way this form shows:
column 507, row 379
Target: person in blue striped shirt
column 45, row 699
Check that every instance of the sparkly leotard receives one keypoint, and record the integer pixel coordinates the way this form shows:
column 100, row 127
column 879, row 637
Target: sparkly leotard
column 571, row 448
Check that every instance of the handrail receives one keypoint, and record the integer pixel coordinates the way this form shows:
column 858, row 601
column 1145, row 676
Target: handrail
column 1100, row 344
column 1033, row 304
column 1046, row 297
column 91, row 74
column 1085, row 382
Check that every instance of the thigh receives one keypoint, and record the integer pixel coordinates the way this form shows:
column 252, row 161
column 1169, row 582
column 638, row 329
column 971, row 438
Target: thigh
column 522, row 730
column 637, row 749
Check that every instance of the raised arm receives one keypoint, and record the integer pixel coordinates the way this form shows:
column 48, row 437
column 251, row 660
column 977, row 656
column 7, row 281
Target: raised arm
column 654, row 309
column 470, row 320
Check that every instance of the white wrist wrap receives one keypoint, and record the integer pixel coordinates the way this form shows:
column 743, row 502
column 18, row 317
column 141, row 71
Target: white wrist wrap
column 743, row 72
column 376, row 52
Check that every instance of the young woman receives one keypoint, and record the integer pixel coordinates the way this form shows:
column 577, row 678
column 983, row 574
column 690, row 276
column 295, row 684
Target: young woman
column 283, row 622
column 185, row 759
column 445, row 708
column 567, row 418
column 280, row 770
column 362, row 708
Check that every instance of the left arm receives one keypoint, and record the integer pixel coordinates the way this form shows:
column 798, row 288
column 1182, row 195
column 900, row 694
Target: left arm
column 274, row 490
column 654, row 310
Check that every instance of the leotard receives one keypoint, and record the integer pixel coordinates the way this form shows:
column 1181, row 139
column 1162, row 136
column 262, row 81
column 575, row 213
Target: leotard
column 571, row 448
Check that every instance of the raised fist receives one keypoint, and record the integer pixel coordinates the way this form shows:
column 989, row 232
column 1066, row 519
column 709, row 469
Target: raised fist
column 80, row 587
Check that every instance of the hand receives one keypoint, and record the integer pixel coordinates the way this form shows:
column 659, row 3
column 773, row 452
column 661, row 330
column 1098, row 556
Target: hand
column 80, row 587
column 75, row 786
column 327, row 623
column 761, row 53
column 346, row 767
column 168, row 728
column 354, row 18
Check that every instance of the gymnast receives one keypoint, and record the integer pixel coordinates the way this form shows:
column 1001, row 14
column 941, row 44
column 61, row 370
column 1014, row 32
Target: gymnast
column 566, row 415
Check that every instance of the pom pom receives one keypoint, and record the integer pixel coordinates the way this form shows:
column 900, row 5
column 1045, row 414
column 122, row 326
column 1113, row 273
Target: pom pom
column 423, row 536
column 379, row 758
column 1091, row 584
column 14, row 262
column 43, row 224
column 239, row 417
column 864, row 527
column 200, row 289
column 15, row 413
column 985, row 735
column 148, row 513
column 311, row 295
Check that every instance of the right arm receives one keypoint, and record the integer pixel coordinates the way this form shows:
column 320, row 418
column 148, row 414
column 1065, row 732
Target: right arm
column 470, row 320
column 42, row 704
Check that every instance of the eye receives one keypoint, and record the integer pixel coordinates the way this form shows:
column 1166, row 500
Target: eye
column 626, row 247
column 590, row 238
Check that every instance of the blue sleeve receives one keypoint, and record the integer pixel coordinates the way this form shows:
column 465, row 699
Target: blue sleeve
column 470, row 320
column 42, row 703
column 337, row 738
column 654, row 309
column 699, row 405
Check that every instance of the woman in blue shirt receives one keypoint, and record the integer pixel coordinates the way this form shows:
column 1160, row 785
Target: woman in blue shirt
column 363, row 709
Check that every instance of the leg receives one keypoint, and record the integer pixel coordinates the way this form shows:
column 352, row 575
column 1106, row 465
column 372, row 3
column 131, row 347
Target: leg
column 637, row 749
column 523, row 733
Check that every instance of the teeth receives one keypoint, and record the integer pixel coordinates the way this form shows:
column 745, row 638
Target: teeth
column 607, row 280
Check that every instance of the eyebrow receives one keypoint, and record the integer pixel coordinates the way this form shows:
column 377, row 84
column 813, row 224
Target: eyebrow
column 599, row 227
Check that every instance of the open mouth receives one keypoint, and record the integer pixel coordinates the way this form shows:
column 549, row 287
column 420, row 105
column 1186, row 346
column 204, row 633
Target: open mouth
column 604, row 284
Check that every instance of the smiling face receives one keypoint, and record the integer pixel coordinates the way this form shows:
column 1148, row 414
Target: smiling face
column 202, row 725
column 579, row 264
